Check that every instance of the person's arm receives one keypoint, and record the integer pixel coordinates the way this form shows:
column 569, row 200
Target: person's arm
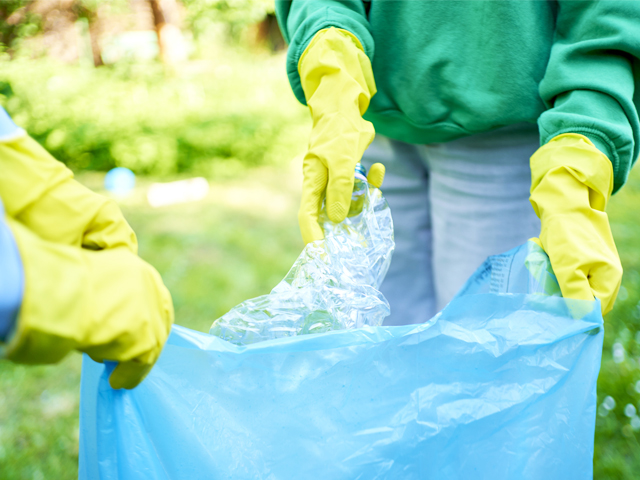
column 591, row 80
column 108, row 303
column 329, row 68
column 590, row 139
column 70, row 277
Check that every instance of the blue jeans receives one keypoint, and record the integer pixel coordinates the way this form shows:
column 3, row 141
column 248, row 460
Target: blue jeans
column 453, row 205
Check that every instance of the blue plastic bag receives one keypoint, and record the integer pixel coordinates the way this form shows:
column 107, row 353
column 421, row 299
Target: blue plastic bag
column 497, row 386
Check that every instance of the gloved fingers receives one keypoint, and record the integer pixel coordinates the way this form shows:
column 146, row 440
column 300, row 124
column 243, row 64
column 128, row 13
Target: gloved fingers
column 313, row 190
column 570, row 265
column 605, row 278
column 573, row 281
column 109, row 304
column 72, row 214
column 136, row 345
column 576, row 286
column 109, row 229
column 583, row 276
column 352, row 139
column 583, row 256
column 588, row 282
column 128, row 374
column 339, row 191
column 375, row 176
column 131, row 308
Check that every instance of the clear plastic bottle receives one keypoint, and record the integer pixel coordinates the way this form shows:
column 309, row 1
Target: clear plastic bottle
column 334, row 282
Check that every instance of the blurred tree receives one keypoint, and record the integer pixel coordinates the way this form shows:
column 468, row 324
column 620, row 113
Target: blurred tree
column 269, row 34
column 90, row 10
column 62, row 28
column 53, row 23
column 19, row 22
column 235, row 14
column 166, row 21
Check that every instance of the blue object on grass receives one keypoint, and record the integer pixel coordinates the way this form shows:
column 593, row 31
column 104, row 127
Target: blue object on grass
column 119, row 180
column 500, row 385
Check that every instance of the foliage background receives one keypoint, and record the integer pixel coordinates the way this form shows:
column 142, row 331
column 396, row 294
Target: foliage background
column 211, row 118
column 226, row 113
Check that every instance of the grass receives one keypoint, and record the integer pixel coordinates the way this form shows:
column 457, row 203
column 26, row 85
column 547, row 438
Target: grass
column 617, row 441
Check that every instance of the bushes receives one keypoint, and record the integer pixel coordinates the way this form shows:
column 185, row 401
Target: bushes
column 207, row 118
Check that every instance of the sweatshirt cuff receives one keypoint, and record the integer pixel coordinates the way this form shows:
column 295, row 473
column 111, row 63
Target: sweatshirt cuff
column 601, row 144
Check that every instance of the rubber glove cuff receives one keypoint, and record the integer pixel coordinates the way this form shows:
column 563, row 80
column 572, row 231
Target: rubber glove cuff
column 337, row 54
column 579, row 157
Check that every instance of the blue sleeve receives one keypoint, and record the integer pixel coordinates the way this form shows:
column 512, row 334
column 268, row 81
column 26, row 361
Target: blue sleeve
column 8, row 129
column 11, row 279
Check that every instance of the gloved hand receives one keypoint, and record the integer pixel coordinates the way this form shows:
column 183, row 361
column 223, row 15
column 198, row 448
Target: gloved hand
column 109, row 304
column 338, row 83
column 571, row 182
column 41, row 193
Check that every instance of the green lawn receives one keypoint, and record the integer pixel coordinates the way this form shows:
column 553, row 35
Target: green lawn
column 617, row 448
column 238, row 243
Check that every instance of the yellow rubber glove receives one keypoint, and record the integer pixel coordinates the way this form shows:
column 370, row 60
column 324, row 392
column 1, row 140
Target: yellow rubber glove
column 338, row 83
column 571, row 182
column 41, row 193
column 109, row 304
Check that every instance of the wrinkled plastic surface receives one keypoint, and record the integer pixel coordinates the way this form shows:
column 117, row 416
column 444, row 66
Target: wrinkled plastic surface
column 499, row 385
column 333, row 285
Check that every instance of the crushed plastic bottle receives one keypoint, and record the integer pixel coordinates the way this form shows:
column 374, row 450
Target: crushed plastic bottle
column 333, row 285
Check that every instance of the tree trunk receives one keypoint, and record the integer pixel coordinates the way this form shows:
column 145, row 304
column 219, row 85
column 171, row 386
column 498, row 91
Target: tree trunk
column 94, row 36
column 159, row 21
column 268, row 33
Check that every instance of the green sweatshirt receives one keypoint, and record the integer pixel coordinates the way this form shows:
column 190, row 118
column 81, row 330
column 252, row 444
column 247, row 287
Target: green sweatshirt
column 446, row 69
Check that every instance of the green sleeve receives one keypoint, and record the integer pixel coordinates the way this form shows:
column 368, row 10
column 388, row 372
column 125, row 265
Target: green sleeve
column 590, row 80
column 300, row 20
